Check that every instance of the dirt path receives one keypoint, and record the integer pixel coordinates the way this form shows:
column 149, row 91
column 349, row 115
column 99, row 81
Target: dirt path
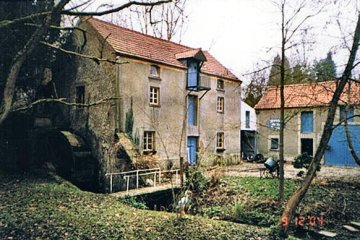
column 326, row 172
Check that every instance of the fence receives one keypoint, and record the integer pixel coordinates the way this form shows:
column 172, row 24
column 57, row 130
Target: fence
column 156, row 174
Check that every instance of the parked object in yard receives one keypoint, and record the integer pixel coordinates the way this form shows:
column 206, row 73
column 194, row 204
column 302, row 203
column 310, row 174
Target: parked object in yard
column 271, row 169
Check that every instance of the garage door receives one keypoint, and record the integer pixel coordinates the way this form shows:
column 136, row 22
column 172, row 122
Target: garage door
column 338, row 153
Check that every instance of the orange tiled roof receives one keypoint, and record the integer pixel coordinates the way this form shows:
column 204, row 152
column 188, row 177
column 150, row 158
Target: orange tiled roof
column 136, row 44
column 307, row 95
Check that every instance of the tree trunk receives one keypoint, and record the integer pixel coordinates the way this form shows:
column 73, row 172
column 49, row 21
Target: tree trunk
column 347, row 132
column 297, row 197
column 21, row 56
column 282, row 107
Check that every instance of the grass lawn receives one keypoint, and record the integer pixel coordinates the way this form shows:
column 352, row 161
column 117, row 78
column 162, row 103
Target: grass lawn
column 45, row 208
column 252, row 200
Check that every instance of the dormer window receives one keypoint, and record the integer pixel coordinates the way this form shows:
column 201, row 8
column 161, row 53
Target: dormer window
column 155, row 71
column 192, row 74
column 220, row 85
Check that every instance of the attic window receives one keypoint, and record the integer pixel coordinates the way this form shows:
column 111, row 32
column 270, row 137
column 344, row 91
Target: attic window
column 220, row 85
column 154, row 71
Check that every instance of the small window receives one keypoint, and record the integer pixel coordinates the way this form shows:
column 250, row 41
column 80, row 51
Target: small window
column 247, row 119
column 220, row 105
column 274, row 143
column 154, row 96
column 149, row 141
column 220, row 140
column 349, row 115
column 80, row 95
column 220, row 84
column 307, row 122
column 154, row 71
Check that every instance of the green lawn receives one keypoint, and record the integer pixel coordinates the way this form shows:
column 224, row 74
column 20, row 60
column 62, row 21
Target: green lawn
column 252, row 200
column 43, row 208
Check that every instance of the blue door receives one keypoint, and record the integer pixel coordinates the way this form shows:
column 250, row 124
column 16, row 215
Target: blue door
column 338, row 152
column 192, row 145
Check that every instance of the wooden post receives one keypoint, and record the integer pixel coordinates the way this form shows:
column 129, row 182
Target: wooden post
column 137, row 178
column 181, row 171
column 111, row 183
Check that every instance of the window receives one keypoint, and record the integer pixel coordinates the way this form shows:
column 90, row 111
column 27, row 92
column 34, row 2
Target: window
column 80, row 95
column 149, row 141
column 192, row 74
column 220, row 84
column 247, row 119
column 349, row 114
column 307, row 122
column 274, row 144
column 154, row 96
column 154, row 71
column 192, row 110
column 220, row 104
column 220, row 140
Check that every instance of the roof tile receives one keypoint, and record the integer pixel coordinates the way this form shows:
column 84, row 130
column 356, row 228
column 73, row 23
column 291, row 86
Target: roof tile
column 308, row 95
column 132, row 43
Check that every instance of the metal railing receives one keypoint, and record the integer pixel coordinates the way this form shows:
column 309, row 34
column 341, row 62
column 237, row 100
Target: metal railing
column 156, row 172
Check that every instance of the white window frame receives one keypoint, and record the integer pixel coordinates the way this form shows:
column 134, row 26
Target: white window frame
column 220, row 140
column 149, row 141
column 154, row 96
column 220, row 104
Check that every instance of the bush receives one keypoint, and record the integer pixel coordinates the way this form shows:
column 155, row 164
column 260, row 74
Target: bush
column 133, row 202
column 303, row 161
column 196, row 180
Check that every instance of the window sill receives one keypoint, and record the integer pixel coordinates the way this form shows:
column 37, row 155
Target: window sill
column 274, row 150
column 149, row 152
column 220, row 149
column 220, row 112
column 220, row 90
column 157, row 78
column 155, row 105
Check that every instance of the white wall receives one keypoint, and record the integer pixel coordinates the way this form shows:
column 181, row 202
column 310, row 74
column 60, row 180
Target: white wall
column 244, row 108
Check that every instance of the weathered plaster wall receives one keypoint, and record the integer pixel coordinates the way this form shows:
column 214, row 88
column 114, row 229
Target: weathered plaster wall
column 292, row 133
column 167, row 119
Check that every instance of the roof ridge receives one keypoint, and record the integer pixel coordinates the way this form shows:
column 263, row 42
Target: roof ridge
column 303, row 84
column 146, row 35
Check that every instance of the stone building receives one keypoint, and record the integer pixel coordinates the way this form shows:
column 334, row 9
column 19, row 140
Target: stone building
column 306, row 108
column 162, row 100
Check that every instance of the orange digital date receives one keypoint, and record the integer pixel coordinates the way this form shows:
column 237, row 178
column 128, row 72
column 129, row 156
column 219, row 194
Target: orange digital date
column 301, row 221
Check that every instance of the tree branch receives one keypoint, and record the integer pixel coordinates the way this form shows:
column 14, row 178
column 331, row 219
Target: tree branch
column 63, row 101
column 126, row 5
column 20, row 57
column 95, row 59
column 7, row 23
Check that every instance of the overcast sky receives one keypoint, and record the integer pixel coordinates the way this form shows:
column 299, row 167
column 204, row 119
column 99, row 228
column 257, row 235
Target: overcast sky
column 241, row 33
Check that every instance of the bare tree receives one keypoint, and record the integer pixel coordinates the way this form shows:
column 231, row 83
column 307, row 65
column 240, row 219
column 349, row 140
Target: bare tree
column 39, row 36
column 167, row 21
column 297, row 197
column 293, row 19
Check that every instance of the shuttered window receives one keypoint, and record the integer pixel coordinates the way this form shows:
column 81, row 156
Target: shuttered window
column 307, row 122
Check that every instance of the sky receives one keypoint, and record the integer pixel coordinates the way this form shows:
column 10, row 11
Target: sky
column 242, row 33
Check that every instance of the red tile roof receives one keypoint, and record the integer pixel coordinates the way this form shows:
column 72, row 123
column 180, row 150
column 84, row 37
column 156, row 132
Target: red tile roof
column 136, row 44
column 308, row 95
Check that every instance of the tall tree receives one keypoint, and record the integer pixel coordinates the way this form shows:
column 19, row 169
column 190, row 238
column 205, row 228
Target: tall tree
column 167, row 21
column 275, row 71
column 255, row 89
column 301, row 74
column 325, row 69
column 297, row 197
